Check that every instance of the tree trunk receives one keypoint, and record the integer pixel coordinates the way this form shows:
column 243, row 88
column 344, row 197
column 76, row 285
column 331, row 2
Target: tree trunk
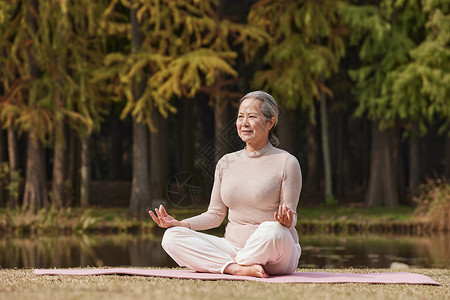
column 382, row 188
column 2, row 160
column 140, row 192
column 13, row 157
column 73, row 168
column 187, row 137
column 220, row 108
column 164, row 155
column 158, row 158
column 424, row 151
column 413, row 166
column 397, row 160
column 3, row 146
column 178, row 137
column 35, row 194
column 57, row 197
column 115, row 159
column 85, row 171
column 314, row 162
column 447, row 157
column 326, row 148
column 220, row 123
column 285, row 132
column 96, row 150
column 365, row 134
column 342, row 165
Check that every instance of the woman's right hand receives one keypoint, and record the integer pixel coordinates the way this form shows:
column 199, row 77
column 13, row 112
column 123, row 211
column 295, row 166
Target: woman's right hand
column 284, row 215
column 164, row 220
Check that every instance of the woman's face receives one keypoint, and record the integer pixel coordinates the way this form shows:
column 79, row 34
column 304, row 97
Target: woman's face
column 251, row 124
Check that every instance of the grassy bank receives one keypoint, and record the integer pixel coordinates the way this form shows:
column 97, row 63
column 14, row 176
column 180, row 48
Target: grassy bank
column 311, row 220
column 23, row 284
column 349, row 220
column 72, row 220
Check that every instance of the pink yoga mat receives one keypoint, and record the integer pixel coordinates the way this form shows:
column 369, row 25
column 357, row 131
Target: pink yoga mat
column 298, row 277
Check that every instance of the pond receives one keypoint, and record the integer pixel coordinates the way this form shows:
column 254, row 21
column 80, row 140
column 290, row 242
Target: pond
column 318, row 251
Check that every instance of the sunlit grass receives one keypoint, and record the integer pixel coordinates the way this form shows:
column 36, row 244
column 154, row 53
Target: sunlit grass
column 71, row 220
column 23, row 284
column 94, row 219
column 434, row 203
column 401, row 213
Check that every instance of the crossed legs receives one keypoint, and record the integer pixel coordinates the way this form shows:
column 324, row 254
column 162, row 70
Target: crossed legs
column 270, row 250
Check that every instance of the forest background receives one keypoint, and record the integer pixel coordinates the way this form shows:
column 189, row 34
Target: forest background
column 126, row 99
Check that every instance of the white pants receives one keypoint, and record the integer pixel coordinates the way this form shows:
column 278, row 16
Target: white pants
column 271, row 245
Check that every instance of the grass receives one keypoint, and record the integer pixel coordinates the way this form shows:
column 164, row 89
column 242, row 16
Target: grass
column 434, row 203
column 402, row 213
column 71, row 220
column 379, row 214
column 351, row 219
column 112, row 220
column 23, row 284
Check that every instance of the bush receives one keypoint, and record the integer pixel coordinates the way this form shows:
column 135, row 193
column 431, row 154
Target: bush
column 434, row 203
column 11, row 180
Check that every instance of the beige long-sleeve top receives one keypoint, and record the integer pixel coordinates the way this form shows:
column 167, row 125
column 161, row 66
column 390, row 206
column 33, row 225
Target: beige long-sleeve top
column 250, row 186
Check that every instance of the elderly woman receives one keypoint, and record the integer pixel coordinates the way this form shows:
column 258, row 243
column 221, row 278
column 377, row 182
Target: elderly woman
column 259, row 188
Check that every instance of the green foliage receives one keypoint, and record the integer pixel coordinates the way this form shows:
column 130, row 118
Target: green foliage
column 433, row 202
column 374, row 214
column 403, row 46
column 421, row 89
column 185, row 47
column 11, row 180
column 71, row 220
column 49, row 221
column 182, row 76
column 332, row 202
column 305, row 47
column 64, row 47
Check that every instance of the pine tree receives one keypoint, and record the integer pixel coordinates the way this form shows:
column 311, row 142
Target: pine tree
column 51, row 48
column 184, row 48
column 403, row 78
column 304, row 50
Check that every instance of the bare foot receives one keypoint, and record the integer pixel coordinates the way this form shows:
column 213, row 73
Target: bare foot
column 254, row 270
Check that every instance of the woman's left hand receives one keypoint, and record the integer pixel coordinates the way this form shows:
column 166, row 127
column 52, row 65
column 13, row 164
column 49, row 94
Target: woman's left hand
column 164, row 220
column 284, row 215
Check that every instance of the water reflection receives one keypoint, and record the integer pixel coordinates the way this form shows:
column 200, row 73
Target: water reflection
column 373, row 251
column 145, row 251
column 83, row 251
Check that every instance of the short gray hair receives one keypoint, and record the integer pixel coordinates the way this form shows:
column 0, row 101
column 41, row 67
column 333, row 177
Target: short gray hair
column 269, row 108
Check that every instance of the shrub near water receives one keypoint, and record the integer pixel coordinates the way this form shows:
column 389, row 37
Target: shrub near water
column 47, row 221
column 434, row 203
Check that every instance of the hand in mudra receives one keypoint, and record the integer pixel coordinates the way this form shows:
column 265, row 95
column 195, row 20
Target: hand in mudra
column 284, row 215
column 164, row 220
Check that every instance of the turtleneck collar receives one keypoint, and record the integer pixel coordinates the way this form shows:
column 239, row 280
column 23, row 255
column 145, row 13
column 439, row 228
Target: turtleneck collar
column 259, row 152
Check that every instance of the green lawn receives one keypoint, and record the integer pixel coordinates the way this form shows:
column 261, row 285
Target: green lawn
column 23, row 284
column 401, row 213
column 116, row 220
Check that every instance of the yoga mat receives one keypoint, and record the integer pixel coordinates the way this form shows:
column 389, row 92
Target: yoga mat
column 298, row 277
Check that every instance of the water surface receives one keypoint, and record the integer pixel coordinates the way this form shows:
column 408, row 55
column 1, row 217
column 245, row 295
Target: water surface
column 318, row 251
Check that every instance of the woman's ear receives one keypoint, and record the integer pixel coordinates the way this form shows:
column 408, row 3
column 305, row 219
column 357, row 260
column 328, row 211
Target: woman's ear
column 271, row 123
